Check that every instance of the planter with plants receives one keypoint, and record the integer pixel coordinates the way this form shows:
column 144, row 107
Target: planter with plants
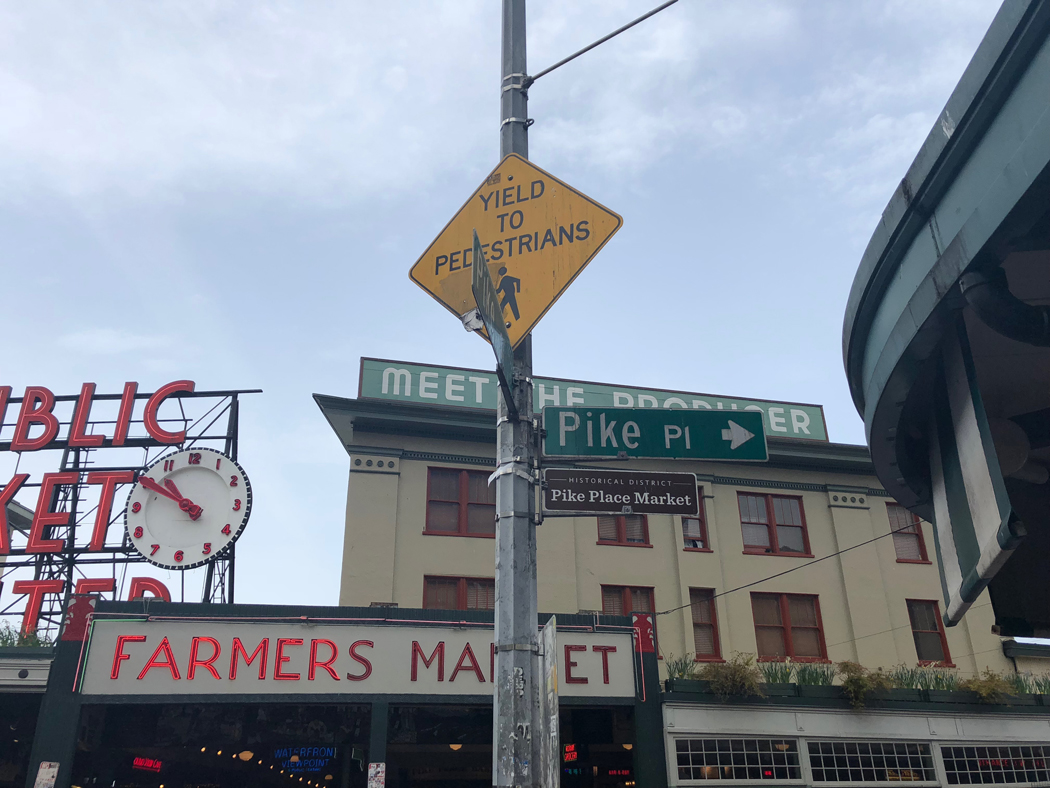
column 817, row 680
column 738, row 676
column 779, row 679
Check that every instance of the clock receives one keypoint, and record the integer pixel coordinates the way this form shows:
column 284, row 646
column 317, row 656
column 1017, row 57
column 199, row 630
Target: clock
column 187, row 508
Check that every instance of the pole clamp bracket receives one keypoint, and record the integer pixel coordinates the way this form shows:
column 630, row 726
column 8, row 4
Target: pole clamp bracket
column 531, row 647
column 527, row 121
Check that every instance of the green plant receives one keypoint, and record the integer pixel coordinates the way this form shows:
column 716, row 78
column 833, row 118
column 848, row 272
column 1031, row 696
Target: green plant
column 10, row 636
column 1042, row 684
column 814, row 674
column 931, row 678
column 990, row 686
column 683, row 667
column 776, row 672
column 858, row 681
column 1023, row 683
column 905, row 677
column 738, row 675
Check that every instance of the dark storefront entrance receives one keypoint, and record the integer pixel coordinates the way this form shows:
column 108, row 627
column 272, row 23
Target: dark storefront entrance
column 451, row 747
column 284, row 745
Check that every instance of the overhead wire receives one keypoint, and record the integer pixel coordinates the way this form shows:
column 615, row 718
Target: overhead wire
column 789, row 571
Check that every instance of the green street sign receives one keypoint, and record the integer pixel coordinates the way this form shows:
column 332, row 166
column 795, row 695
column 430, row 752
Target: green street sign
column 491, row 313
column 654, row 433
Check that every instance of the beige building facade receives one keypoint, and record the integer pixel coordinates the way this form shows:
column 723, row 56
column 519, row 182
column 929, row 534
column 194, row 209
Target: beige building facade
column 803, row 556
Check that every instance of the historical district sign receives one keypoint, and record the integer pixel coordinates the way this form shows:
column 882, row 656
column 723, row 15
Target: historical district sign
column 537, row 232
column 619, row 492
column 652, row 433
column 458, row 387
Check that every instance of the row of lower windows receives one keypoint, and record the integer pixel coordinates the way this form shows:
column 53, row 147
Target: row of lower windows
column 786, row 625
column 462, row 503
column 779, row 760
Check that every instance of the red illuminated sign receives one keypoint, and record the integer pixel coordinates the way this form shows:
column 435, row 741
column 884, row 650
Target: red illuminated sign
column 571, row 754
column 147, row 764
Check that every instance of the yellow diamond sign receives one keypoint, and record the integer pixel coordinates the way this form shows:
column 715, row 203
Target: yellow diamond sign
column 537, row 234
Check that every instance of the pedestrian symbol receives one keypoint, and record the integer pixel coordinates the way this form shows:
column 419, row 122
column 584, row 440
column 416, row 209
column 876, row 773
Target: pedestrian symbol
column 539, row 235
column 509, row 287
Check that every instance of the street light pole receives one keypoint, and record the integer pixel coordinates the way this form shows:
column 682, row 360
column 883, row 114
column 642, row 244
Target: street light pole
column 516, row 735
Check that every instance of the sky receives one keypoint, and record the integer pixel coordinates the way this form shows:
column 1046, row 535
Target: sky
column 233, row 193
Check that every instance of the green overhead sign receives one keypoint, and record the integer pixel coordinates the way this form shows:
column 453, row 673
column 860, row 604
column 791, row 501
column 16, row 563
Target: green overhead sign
column 457, row 387
column 652, row 433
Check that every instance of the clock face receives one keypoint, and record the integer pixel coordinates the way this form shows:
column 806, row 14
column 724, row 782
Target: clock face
column 187, row 508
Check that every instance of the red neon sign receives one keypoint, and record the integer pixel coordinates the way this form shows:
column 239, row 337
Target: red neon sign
column 147, row 764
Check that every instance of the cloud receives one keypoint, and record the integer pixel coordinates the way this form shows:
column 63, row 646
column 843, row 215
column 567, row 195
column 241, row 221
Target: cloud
column 109, row 342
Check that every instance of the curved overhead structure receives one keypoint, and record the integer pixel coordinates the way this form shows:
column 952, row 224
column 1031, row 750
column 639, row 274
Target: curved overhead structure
column 947, row 328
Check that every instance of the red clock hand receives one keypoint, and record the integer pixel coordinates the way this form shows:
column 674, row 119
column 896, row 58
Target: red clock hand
column 185, row 504
column 149, row 484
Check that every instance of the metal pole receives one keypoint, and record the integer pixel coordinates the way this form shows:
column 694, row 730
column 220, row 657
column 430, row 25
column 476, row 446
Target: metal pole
column 516, row 734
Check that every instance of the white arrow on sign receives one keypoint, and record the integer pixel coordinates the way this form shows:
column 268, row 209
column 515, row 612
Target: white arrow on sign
column 737, row 434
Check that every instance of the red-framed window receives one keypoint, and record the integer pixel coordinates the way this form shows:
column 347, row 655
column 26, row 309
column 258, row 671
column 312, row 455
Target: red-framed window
column 694, row 529
column 705, row 624
column 459, row 593
column 931, row 645
column 907, row 535
column 773, row 524
column 789, row 625
column 629, row 529
column 460, row 503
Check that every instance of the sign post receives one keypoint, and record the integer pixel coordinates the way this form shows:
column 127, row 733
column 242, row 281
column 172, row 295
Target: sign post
column 550, row 765
column 516, row 708
column 622, row 433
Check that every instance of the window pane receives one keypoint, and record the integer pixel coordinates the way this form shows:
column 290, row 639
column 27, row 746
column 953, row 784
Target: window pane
column 767, row 609
column 806, row 642
column 444, row 485
column 612, row 600
column 907, row 546
column 693, row 533
column 900, row 518
column 756, row 535
column 928, row 646
column 803, row 611
column 441, row 593
column 481, row 594
column 481, row 519
column 634, row 527
column 479, row 490
column 752, row 508
column 607, row 530
column 790, row 539
column 923, row 616
column 641, row 600
column 770, row 642
column 786, row 511
column 700, row 602
column 704, row 640
column 442, row 516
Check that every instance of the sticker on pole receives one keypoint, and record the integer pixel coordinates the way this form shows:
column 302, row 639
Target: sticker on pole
column 538, row 233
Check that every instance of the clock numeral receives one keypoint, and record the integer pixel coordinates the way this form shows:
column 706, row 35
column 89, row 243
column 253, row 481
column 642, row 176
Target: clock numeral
column 218, row 464
column 136, row 507
column 155, row 547
column 226, row 529
column 207, row 548
column 138, row 532
column 195, row 458
column 236, row 504
column 233, row 481
column 178, row 556
column 169, row 465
